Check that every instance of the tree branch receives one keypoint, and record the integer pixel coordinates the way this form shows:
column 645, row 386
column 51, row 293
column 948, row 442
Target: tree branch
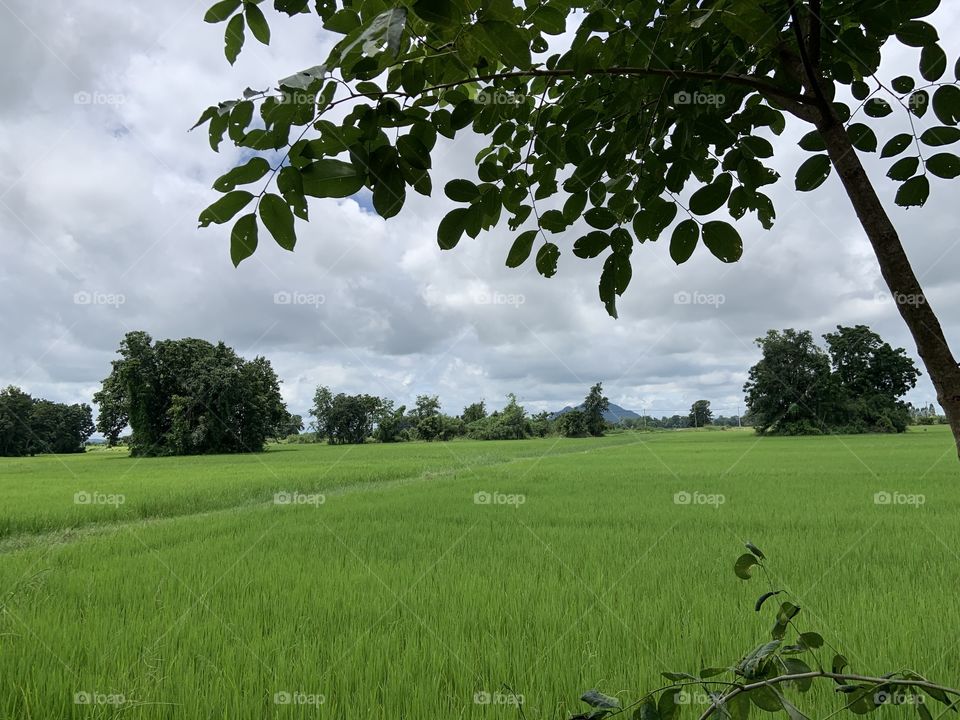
column 743, row 80
column 720, row 702
column 812, row 80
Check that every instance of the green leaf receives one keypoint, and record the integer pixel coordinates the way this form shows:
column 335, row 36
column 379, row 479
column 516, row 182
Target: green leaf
column 933, row 63
column 591, row 244
column 600, row 218
column 914, row 192
column 343, row 21
column 813, row 142
column 946, row 104
column 414, row 152
column 507, row 40
column 723, row 240
column 811, row 640
column 225, row 208
column 461, row 191
column 838, row 664
column 451, row 228
column 944, row 165
column 903, row 84
column 441, row 12
column 278, row 220
column 304, row 79
column 220, row 11
column 595, row 698
column 389, row 192
column 290, row 185
column 521, row 249
column 919, row 102
column 712, row 197
column 917, row 33
column 677, row 677
column 547, row 257
column 647, row 710
column 233, row 38
column 249, row 172
column 755, row 550
column 712, row 672
column 813, row 173
column 684, row 241
column 412, row 78
column 652, row 220
column 938, row 136
column 243, row 239
column 896, row 145
column 257, row 23
column 763, row 598
column 904, row 169
column 862, row 137
column 331, row 178
column 667, row 707
column 877, row 108
column 743, row 568
column 554, row 221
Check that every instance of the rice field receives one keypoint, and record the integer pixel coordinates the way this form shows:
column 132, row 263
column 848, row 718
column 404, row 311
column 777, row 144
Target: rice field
column 462, row 580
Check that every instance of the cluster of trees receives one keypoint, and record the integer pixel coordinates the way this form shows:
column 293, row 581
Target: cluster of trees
column 188, row 396
column 29, row 426
column 350, row 419
column 854, row 385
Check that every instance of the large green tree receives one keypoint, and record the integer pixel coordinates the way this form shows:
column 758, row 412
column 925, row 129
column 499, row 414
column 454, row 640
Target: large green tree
column 595, row 404
column 189, row 396
column 700, row 414
column 655, row 120
column 345, row 419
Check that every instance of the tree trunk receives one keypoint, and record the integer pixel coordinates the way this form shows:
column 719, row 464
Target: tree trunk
column 913, row 305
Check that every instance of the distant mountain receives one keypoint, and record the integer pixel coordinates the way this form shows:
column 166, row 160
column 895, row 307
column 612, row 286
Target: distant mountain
column 614, row 414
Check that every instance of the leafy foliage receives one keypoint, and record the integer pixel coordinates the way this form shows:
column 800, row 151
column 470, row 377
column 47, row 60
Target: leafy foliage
column 797, row 388
column 30, row 426
column 775, row 674
column 655, row 120
column 186, row 397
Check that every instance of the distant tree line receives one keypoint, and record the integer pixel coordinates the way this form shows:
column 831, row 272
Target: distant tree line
column 350, row 419
column 852, row 386
column 30, row 426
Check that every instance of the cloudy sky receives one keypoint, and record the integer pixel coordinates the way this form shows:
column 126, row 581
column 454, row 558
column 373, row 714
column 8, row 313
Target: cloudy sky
column 101, row 184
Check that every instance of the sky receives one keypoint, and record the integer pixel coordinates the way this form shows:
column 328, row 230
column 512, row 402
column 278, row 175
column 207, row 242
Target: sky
column 101, row 185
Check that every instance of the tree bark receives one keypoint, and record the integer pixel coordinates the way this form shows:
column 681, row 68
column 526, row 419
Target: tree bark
column 914, row 306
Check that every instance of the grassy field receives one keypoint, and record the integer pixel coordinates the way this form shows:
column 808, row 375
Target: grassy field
column 422, row 580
